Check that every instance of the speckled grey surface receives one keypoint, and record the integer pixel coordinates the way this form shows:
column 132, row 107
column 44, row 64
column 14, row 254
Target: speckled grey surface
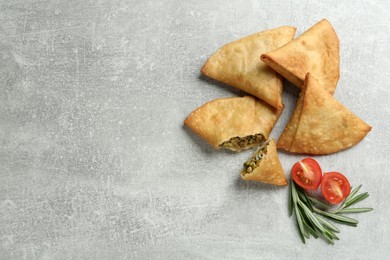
column 95, row 162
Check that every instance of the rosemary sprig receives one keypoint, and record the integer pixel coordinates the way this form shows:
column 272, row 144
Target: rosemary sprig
column 310, row 219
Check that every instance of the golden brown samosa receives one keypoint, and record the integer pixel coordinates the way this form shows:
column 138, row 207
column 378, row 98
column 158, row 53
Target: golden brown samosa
column 316, row 51
column 264, row 166
column 236, row 123
column 321, row 125
column 237, row 64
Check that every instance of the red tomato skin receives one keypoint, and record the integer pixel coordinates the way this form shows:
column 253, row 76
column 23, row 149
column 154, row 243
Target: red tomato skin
column 339, row 191
column 309, row 169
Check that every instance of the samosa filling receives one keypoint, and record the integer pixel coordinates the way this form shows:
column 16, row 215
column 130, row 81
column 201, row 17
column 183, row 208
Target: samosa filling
column 239, row 143
column 254, row 162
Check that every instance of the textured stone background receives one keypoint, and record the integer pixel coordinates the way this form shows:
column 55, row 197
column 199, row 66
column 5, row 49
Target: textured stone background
column 95, row 162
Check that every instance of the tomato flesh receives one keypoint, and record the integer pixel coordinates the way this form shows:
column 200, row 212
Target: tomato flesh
column 335, row 187
column 307, row 174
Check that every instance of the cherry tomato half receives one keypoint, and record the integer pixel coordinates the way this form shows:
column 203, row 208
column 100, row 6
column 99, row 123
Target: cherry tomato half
column 307, row 173
column 335, row 187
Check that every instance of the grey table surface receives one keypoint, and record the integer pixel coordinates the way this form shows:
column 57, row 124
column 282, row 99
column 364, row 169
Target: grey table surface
column 95, row 162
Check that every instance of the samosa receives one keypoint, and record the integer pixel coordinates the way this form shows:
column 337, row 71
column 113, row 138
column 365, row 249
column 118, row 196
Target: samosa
column 321, row 124
column 264, row 166
column 237, row 64
column 316, row 51
column 236, row 123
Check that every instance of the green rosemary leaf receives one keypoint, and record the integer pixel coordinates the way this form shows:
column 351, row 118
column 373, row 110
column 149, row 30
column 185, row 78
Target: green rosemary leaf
column 355, row 210
column 308, row 222
column 302, row 232
column 356, row 199
column 328, row 225
column 331, row 234
column 327, row 237
column 339, row 218
column 294, row 196
column 350, row 196
column 290, row 208
column 311, row 216
column 309, row 228
column 294, row 193
column 300, row 195
column 318, row 202
column 304, row 198
column 353, row 192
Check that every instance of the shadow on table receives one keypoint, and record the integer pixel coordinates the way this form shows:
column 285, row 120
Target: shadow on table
column 240, row 185
column 290, row 88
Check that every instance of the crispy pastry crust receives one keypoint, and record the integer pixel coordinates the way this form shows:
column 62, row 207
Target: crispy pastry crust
column 237, row 64
column 219, row 120
column 316, row 51
column 323, row 126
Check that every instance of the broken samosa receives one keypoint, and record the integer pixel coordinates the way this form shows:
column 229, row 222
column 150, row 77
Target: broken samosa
column 316, row 51
column 236, row 123
column 238, row 65
column 264, row 166
column 321, row 125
